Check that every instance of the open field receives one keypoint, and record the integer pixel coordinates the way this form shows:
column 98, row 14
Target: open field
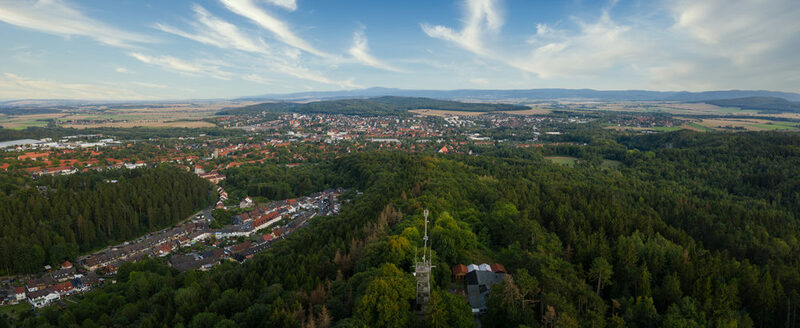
column 532, row 111
column 175, row 115
column 437, row 112
column 563, row 160
column 721, row 124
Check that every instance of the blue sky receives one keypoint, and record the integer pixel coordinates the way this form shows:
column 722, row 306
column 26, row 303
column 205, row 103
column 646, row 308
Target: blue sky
column 133, row 49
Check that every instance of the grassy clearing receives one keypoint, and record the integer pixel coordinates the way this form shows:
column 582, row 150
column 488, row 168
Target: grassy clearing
column 13, row 311
column 698, row 127
column 562, row 160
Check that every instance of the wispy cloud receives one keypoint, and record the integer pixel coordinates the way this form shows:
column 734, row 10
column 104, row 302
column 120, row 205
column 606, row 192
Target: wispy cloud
column 291, row 5
column 281, row 30
column 480, row 17
column 742, row 30
column 596, row 47
column 13, row 86
column 150, row 85
column 182, row 66
column 360, row 51
column 122, row 70
column 211, row 30
column 60, row 18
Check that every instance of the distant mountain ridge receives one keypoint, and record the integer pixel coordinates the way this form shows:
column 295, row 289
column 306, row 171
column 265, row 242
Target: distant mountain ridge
column 529, row 95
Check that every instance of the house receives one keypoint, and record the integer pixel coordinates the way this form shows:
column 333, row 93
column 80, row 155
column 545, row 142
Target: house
column 479, row 282
column 19, row 293
column 459, row 271
column 246, row 202
column 34, row 285
column 164, row 249
column 472, row 267
column 64, row 288
column 497, row 267
column 66, row 265
column 79, row 285
column 42, row 298
column 63, row 274
column 444, row 150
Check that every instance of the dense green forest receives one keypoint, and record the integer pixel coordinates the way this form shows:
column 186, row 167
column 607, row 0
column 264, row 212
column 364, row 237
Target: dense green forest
column 693, row 230
column 388, row 105
column 53, row 218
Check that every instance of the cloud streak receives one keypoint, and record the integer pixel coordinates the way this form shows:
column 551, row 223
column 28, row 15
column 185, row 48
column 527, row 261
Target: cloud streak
column 13, row 86
column 59, row 18
column 279, row 28
column 182, row 66
column 481, row 17
column 360, row 51
column 213, row 31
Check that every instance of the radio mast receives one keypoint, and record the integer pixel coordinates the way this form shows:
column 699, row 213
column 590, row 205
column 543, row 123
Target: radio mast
column 422, row 271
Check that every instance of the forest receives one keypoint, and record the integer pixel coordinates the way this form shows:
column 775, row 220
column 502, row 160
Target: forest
column 387, row 105
column 55, row 218
column 692, row 230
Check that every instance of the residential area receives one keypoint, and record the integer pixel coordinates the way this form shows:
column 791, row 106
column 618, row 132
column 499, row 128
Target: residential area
column 190, row 245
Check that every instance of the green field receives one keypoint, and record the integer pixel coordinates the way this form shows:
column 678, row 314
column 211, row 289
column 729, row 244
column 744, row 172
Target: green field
column 13, row 311
column 563, row 160
column 777, row 126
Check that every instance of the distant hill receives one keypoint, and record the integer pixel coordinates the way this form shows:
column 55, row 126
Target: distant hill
column 764, row 104
column 387, row 105
column 529, row 95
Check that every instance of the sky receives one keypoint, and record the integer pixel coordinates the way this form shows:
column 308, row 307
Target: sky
column 176, row 49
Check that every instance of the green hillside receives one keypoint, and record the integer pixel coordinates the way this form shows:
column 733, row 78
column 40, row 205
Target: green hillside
column 388, row 105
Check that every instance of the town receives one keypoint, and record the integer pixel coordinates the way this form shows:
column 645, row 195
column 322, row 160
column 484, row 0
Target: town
column 190, row 245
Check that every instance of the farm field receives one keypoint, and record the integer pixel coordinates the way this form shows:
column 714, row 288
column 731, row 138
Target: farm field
column 176, row 115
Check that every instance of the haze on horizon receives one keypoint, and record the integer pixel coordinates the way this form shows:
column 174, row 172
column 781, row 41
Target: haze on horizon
column 145, row 50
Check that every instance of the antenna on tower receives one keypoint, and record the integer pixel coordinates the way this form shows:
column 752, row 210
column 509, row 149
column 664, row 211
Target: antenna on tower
column 422, row 271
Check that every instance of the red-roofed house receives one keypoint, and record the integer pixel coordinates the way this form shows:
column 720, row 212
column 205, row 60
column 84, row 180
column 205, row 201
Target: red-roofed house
column 19, row 293
column 66, row 265
column 497, row 267
column 459, row 271
column 64, row 288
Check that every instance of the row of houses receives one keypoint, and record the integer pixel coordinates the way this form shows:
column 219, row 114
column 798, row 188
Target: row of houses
column 45, row 289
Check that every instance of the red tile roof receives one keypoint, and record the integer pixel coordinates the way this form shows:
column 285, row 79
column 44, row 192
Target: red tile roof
column 497, row 267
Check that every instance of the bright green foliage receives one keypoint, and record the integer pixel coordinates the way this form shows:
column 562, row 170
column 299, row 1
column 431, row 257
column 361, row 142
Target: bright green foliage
column 386, row 301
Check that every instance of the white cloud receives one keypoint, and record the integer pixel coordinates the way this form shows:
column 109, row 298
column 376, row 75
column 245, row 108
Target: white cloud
column 360, row 51
column 13, row 86
column 741, row 30
column 291, row 5
column 150, row 85
column 595, row 48
column 182, row 66
column 59, row 18
column 481, row 17
column 216, row 32
column 281, row 30
column 122, row 70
